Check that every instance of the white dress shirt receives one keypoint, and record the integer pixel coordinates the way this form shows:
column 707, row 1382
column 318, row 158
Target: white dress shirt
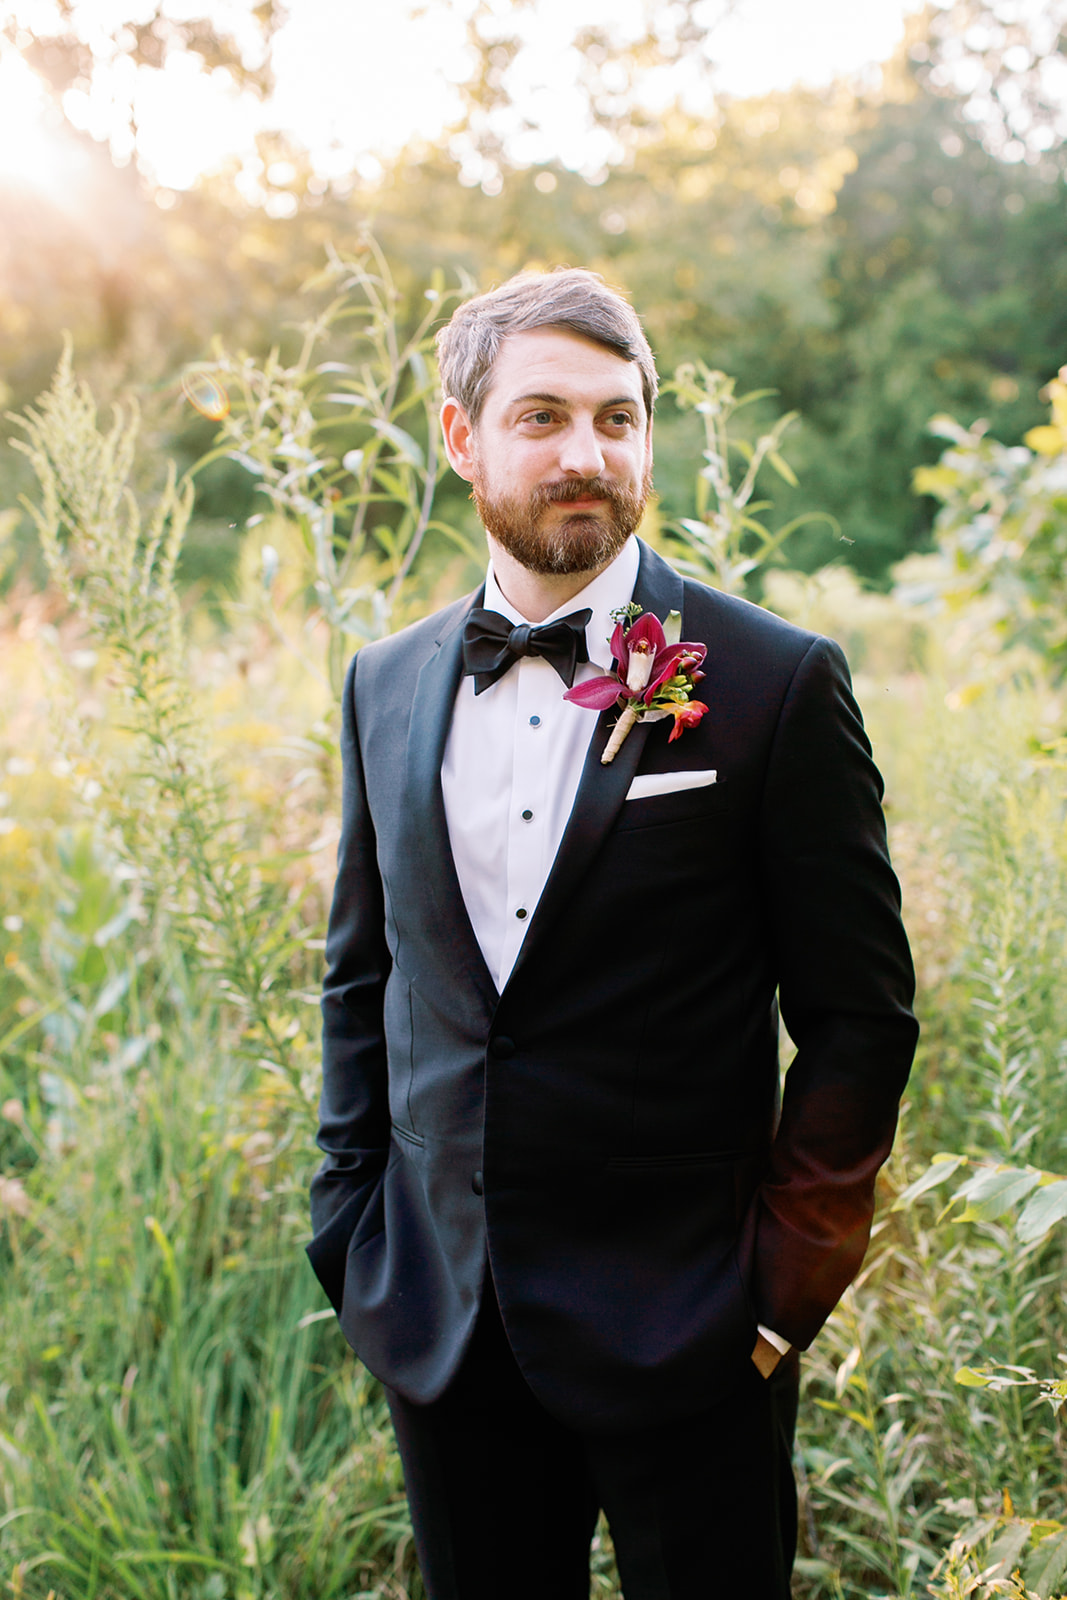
column 512, row 765
column 511, row 770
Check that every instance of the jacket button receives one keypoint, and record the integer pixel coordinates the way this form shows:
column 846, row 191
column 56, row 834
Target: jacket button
column 502, row 1047
column 476, row 1183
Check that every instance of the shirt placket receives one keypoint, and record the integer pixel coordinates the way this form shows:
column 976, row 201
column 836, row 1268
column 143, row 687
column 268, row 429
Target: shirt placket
column 528, row 817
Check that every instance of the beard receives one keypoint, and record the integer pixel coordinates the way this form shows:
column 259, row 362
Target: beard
column 579, row 543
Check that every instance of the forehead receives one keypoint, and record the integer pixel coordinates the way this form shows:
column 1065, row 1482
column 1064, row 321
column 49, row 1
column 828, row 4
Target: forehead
column 555, row 361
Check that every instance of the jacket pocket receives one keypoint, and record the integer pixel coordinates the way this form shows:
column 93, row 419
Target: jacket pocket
column 409, row 1136
column 680, row 805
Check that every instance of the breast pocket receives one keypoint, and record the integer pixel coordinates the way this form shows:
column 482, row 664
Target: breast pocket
column 684, row 805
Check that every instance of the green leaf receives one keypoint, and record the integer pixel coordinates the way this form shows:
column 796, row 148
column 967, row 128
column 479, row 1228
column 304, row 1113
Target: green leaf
column 1005, row 1551
column 111, row 994
column 782, row 467
column 1042, row 1211
column 973, row 1378
column 942, row 1167
column 391, row 482
column 754, row 395
column 939, row 481
column 404, row 445
column 993, row 1191
column 802, row 519
column 1047, row 1564
column 944, row 427
column 417, row 363
column 470, row 547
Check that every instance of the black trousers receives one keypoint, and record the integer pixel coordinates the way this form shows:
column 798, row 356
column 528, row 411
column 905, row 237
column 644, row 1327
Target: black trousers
column 504, row 1499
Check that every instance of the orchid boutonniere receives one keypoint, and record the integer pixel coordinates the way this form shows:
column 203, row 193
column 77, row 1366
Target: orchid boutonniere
column 652, row 678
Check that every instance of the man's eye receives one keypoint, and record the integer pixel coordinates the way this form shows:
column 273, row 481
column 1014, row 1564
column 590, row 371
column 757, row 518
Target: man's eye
column 539, row 417
column 620, row 419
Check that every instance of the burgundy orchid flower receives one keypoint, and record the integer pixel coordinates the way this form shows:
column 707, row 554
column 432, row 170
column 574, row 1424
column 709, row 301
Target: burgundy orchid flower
column 643, row 663
column 651, row 678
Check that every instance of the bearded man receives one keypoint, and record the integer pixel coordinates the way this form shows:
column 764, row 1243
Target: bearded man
column 565, row 1214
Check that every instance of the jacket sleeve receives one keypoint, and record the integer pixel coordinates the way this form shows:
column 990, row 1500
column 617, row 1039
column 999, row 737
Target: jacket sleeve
column 354, row 1105
column 846, row 987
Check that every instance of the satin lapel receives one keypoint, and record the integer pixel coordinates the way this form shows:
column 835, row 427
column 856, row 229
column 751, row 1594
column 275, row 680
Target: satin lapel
column 433, row 879
column 602, row 790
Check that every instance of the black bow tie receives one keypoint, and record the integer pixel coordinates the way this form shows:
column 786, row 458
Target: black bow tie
column 491, row 645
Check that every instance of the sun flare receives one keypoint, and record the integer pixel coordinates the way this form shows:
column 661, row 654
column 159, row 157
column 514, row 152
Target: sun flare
column 33, row 155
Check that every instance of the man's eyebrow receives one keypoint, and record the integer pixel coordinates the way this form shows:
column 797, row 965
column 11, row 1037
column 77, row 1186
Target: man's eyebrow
column 558, row 400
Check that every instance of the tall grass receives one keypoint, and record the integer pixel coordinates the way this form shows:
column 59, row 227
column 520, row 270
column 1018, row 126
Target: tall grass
column 898, row 1455
column 179, row 1417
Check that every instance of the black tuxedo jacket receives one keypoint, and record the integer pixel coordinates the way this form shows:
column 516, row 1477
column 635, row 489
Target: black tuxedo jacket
column 607, row 1132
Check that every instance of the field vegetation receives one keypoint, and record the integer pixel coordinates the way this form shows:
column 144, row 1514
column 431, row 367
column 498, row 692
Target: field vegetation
column 180, row 1415
column 180, row 1418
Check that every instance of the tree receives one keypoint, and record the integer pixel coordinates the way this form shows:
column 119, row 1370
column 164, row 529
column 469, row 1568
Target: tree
column 1004, row 60
column 73, row 49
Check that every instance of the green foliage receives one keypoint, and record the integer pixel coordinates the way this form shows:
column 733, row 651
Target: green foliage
column 883, row 1527
column 1020, row 1055
column 225, row 898
column 347, row 450
column 727, row 536
column 179, row 1419
column 862, row 256
column 1002, row 1555
column 896, row 1453
column 1002, row 530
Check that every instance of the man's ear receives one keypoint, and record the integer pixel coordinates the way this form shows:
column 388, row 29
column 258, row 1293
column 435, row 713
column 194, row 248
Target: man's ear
column 458, row 433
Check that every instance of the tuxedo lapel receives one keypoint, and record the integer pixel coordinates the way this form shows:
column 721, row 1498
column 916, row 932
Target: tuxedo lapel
column 601, row 790
column 433, row 879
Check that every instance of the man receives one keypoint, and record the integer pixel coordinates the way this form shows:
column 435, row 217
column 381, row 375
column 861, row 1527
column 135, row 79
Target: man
column 562, row 1214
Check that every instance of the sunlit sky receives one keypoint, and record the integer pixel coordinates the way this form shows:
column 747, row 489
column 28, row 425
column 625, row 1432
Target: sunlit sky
column 358, row 79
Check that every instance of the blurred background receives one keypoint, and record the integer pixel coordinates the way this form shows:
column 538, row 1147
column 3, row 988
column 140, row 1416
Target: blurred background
column 861, row 207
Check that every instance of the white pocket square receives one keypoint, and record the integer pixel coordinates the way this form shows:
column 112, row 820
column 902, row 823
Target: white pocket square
column 643, row 788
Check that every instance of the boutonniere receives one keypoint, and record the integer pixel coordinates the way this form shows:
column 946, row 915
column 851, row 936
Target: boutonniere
column 653, row 677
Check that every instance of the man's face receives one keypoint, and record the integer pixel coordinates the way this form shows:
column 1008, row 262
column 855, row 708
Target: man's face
column 560, row 459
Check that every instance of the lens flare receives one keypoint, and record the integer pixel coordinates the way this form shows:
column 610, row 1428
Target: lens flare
column 206, row 394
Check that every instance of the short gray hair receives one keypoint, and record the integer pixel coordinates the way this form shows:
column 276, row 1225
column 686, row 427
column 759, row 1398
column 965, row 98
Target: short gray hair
column 568, row 297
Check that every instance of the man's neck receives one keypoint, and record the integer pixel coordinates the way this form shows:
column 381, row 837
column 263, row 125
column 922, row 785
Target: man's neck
column 535, row 595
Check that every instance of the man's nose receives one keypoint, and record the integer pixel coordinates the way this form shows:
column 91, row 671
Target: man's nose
column 580, row 453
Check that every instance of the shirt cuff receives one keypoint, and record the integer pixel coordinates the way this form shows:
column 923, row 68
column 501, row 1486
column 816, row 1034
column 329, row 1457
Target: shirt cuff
column 782, row 1346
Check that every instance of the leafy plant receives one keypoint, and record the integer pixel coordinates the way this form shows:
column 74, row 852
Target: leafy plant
column 347, row 450
column 1001, row 532
column 1003, row 1554
column 229, row 902
column 728, row 538
column 180, row 1419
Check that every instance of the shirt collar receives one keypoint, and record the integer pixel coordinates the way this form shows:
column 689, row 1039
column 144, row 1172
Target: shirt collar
column 609, row 591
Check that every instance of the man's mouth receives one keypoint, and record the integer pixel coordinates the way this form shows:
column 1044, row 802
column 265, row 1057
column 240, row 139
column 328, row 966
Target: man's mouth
column 585, row 499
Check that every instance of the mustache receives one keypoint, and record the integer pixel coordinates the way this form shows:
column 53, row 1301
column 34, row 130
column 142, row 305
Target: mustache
column 575, row 489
